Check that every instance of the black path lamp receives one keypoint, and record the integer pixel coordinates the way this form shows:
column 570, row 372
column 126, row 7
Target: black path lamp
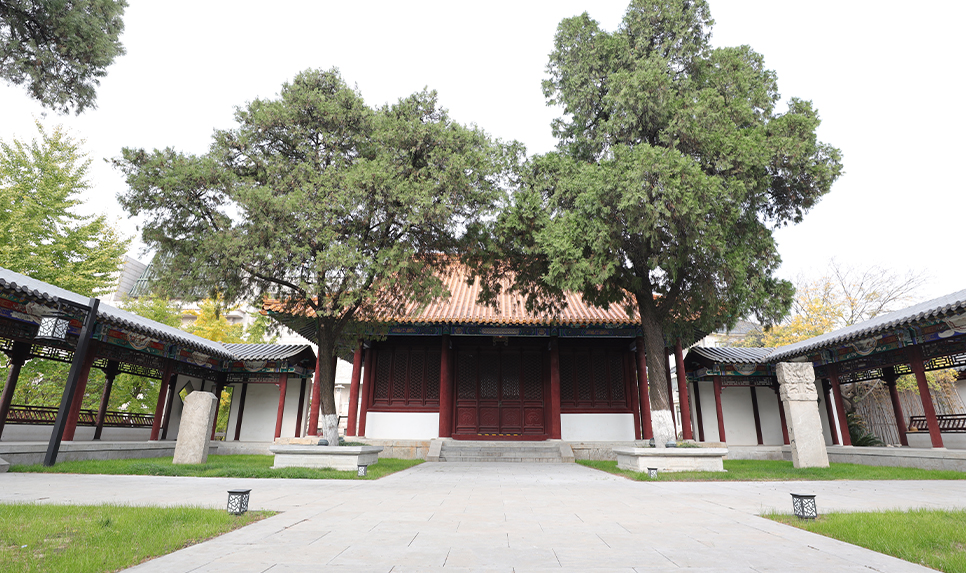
column 804, row 506
column 652, row 473
column 80, row 355
column 238, row 501
column 362, row 471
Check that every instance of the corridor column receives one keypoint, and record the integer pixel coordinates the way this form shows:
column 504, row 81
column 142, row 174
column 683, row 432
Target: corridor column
column 109, row 374
column 916, row 362
column 162, row 393
column 829, row 411
column 71, row 426
column 367, row 379
column 555, row 430
column 646, row 429
column 683, row 397
column 717, row 408
column 18, row 356
column 282, row 389
column 351, row 419
column 445, row 391
column 833, row 374
column 316, row 401
column 889, row 377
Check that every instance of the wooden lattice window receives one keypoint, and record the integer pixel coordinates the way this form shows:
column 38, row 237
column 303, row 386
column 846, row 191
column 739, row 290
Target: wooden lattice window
column 592, row 380
column 406, row 378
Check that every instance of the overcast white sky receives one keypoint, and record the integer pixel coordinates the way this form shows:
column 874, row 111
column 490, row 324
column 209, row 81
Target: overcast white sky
column 885, row 76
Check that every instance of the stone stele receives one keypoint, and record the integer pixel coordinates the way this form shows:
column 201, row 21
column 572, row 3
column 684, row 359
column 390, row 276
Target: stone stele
column 800, row 400
column 194, row 433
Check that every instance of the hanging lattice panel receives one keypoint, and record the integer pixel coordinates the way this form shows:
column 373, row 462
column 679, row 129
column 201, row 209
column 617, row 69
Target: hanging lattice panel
column 599, row 371
column 432, row 376
column 567, row 390
column 533, row 376
column 582, row 377
column 466, row 376
column 417, row 380
column 511, row 375
column 380, row 386
column 398, row 383
column 489, row 376
column 616, row 375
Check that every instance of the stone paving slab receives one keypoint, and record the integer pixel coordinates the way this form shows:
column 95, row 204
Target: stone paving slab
column 504, row 518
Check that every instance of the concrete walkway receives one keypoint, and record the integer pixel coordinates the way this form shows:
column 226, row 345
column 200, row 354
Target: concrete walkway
column 506, row 518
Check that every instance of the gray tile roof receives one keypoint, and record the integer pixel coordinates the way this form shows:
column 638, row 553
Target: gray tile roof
column 265, row 351
column 938, row 307
column 108, row 314
column 731, row 355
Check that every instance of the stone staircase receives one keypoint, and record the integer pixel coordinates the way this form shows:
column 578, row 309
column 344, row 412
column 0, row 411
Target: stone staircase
column 483, row 451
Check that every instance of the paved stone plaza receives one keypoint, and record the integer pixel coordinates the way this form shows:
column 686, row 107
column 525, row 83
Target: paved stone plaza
column 506, row 518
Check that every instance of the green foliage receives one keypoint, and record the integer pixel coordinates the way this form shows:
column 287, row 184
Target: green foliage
column 211, row 323
column 237, row 466
column 43, row 237
column 60, row 48
column 772, row 470
column 156, row 308
column 96, row 538
column 674, row 165
column 343, row 210
column 931, row 537
column 859, row 433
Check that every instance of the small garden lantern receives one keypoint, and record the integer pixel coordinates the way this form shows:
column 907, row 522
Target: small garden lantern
column 238, row 501
column 804, row 506
column 652, row 473
column 53, row 327
column 362, row 471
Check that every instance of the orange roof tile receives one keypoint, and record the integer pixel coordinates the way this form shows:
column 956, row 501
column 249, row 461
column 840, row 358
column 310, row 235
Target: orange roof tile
column 461, row 307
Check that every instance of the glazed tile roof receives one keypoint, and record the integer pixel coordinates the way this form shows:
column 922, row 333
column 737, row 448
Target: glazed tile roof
column 107, row 314
column 461, row 307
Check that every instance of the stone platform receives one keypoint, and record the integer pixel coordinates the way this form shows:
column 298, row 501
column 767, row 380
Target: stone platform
column 671, row 459
column 346, row 458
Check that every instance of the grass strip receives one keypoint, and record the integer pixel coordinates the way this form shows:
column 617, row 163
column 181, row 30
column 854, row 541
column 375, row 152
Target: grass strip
column 234, row 466
column 95, row 538
column 776, row 470
column 934, row 538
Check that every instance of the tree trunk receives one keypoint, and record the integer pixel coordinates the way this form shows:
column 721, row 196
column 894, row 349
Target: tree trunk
column 662, row 419
column 329, row 417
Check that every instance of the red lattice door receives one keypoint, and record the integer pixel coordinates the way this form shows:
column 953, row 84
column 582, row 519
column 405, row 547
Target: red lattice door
column 499, row 394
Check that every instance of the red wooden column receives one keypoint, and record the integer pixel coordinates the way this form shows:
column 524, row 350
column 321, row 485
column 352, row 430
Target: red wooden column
column 634, row 392
column 298, row 415
column 241, row 411
column 697, row 410
column 683, row 397
column 670, row 389
column 109, row 374
column 316, row 403
column 754, row 407
column 75, row 407
column 282, row 389
column 445, row 390
column 646, row 429
column 889, row 377
column 169, row 403
column 18, row 356
column 350, row 428
column 367, row 379
column 916, row 362
column 220, row 386
column 555, row 431
column 159, row 408
column 829, row 411
column 781, row 414
column 833, row 371
column 717, row 407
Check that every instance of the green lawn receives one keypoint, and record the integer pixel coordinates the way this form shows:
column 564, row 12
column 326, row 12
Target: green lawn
column 217, row 466
column 934, row 538
column 770, row 470
column 95, row 538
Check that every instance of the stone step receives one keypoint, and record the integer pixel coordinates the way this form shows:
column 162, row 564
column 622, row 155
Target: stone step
column 512, row 452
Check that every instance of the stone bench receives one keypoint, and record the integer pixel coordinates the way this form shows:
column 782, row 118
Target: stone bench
column 671, row 459
column 346, row 458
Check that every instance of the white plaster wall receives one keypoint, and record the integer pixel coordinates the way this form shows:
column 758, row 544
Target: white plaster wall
column 261, row 411
column 739, row 416
column 290, row 415
column 597, row 427
column 823, row 413
column 771, row 422
column 402, row 425
column 709, row 415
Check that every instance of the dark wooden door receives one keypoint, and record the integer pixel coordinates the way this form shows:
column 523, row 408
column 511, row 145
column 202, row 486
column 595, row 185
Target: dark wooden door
column 499, row 393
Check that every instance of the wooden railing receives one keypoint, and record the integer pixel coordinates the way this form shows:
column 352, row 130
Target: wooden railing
column 41, row 415
column 951, row 423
